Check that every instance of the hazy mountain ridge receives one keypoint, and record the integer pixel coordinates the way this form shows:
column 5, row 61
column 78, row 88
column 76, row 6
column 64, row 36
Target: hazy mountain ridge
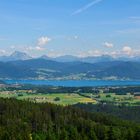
column 48, row 69
column 91, row 59
column 15, row 56
column 68, row 58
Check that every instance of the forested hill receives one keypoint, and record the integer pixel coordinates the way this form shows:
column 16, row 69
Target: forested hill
column 48, row 69
column 124, row 112
column 21, row 120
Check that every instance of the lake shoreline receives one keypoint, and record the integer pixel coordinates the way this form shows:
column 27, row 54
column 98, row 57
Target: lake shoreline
column 77, row 83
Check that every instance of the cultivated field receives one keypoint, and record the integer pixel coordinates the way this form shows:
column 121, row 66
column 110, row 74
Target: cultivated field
column 72, row 98
column 63, row 99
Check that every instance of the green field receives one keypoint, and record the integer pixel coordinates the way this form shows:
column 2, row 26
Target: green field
column 73, row 98
column 64, row 99
column 127, row 99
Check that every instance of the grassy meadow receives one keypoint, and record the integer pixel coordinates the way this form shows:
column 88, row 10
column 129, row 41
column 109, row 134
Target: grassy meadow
column 63, row 98
column 71, row 98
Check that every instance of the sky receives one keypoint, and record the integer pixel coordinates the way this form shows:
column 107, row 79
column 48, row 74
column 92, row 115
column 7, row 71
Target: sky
column 70, row 27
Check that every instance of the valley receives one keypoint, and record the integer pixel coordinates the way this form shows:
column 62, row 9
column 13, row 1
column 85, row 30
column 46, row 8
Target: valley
column 69, row 70
column 73, row 95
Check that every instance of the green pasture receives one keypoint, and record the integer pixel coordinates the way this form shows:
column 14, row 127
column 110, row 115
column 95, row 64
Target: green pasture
column 64, row 99
column 70, row 99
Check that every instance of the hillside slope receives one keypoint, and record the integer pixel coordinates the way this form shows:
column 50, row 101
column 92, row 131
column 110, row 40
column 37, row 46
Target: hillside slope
column 35, row 68
column 25, row 120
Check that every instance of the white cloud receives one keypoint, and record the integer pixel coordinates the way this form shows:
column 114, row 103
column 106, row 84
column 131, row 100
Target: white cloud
column 94, row 53
column 2, row 51
column 86, row 7
column 39, row 48
column 108, row 45
column 127, row 50
column 42, row 41
column 36, row 48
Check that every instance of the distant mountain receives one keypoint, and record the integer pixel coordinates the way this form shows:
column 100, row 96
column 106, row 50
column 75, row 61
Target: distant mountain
column 69, row 58
column 46, row 57
column 96, row 59
column 48, row 69
column 65, row 58
column 90, row 59
column 15, row 56
column 19, row 56
column 19, row 65
column 121, row 70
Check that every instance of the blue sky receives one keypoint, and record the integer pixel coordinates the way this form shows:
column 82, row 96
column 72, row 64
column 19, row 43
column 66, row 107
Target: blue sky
column 74, row 27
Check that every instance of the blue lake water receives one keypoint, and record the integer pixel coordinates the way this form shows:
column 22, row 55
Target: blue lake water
column 76, row 83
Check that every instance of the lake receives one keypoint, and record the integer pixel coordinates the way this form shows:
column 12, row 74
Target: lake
column 76, row 83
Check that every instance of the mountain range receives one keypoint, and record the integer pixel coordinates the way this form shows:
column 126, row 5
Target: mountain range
column 48, row 69
column 68, row 58
column 15, row 56
column 21, row 66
